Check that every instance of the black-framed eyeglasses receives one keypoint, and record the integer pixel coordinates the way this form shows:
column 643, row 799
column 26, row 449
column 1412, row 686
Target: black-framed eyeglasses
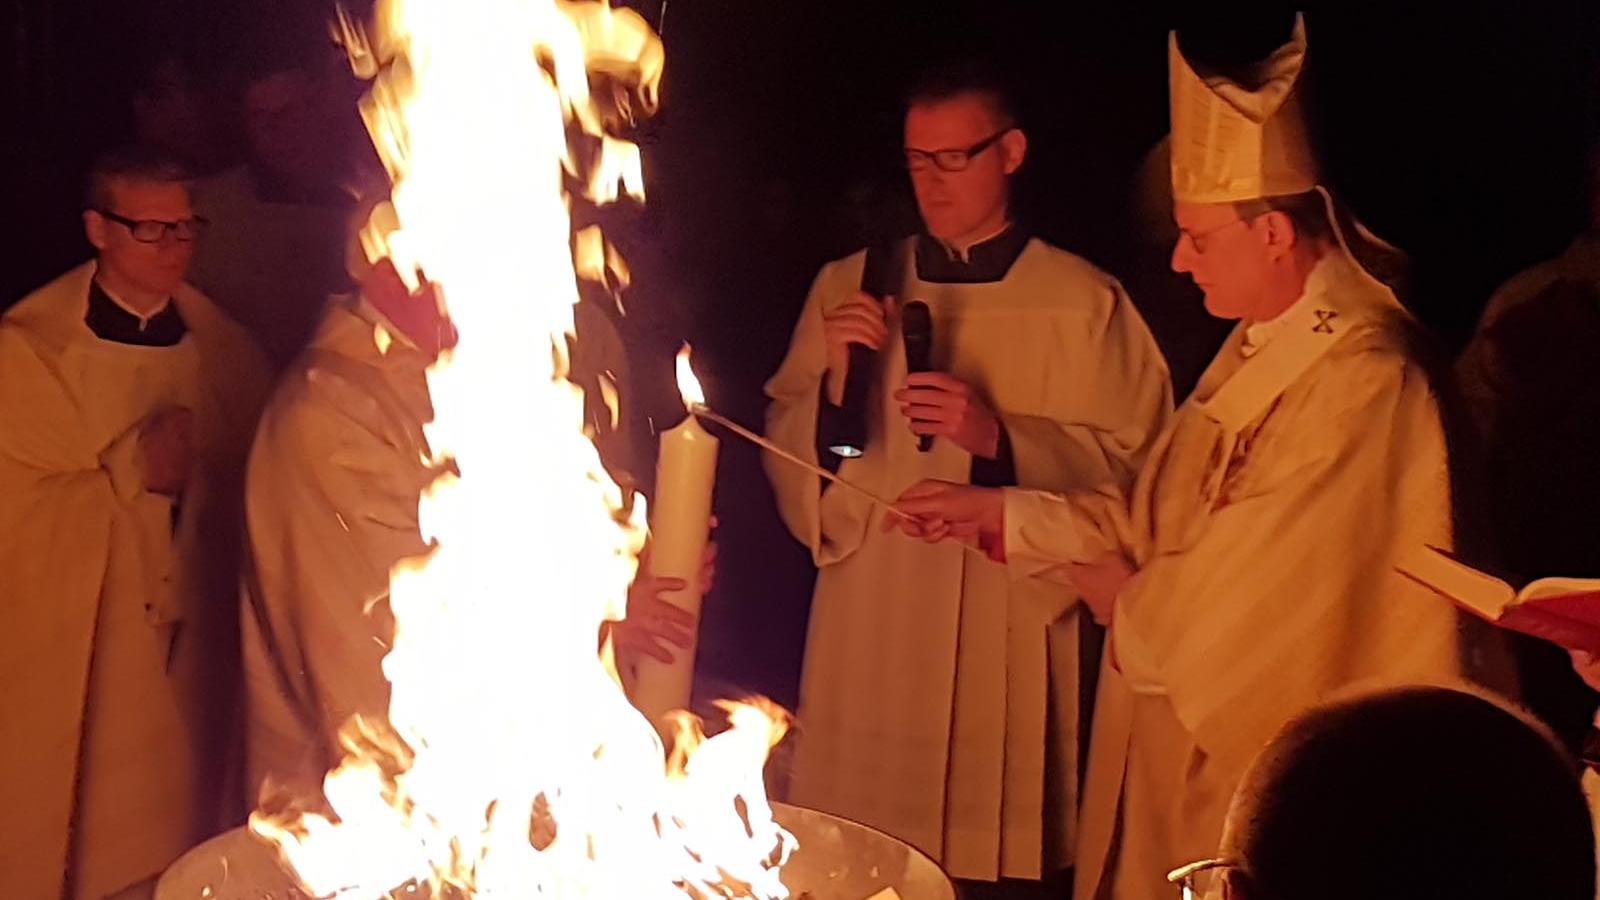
column 1201, row 880
column 951, row 160
column 154, row 231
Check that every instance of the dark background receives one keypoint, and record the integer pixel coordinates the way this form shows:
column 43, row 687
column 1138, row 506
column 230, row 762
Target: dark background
column 1456, row 130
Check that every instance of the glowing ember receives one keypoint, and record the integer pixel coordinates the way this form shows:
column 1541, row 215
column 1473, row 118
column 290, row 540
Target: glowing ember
column 516, row 766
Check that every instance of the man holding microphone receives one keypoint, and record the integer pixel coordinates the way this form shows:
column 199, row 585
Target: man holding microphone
column 938, row 690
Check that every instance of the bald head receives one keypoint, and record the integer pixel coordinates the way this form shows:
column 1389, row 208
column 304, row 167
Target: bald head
column 1410, row 793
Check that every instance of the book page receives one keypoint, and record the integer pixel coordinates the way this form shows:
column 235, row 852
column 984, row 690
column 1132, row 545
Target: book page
column 1551, row 587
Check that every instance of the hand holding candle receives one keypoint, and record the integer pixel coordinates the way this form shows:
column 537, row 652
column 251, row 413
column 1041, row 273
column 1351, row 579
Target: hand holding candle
column 655, row 626
column 680, row 525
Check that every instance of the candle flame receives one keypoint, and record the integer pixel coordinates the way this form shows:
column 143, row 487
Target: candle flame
column 688, row 384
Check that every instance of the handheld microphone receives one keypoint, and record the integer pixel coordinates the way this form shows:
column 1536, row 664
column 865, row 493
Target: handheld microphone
column 916, row 329
column 846, row 434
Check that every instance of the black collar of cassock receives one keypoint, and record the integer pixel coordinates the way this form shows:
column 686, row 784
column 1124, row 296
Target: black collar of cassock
column 987, row 261
column 110, row 322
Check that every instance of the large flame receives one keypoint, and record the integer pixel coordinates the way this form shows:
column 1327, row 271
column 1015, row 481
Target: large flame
column 513, row 765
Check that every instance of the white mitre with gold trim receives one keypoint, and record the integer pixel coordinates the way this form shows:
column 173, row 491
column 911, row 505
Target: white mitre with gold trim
column 1233, row 141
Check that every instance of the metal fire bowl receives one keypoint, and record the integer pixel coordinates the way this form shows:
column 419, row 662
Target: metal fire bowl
column 838, row 860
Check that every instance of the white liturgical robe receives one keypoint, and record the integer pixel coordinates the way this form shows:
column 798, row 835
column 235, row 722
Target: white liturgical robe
column 117, row 651
column 331, row 506
column 339, row 463
column 1263, row 529
column 928, row 707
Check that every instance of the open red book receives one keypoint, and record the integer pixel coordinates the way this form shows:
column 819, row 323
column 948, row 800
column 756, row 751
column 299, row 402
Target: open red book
column 1564, row 611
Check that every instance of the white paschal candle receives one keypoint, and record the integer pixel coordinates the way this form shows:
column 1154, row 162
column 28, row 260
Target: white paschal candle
column 680, row 523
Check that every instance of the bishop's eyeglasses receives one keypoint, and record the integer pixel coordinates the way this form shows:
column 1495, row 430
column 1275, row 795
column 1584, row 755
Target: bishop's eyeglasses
column 1201, row 880
column 953, row 159
column 154, row 231
column 1199, row 240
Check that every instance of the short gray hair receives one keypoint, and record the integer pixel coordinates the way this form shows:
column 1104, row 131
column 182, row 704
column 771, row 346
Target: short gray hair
column 1307, row 212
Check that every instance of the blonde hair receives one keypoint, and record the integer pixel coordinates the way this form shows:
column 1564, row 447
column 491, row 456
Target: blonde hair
column 134, row 163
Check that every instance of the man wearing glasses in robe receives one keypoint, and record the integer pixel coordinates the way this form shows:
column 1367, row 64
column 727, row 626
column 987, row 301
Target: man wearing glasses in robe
column 127, row 401
column 939, row 699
